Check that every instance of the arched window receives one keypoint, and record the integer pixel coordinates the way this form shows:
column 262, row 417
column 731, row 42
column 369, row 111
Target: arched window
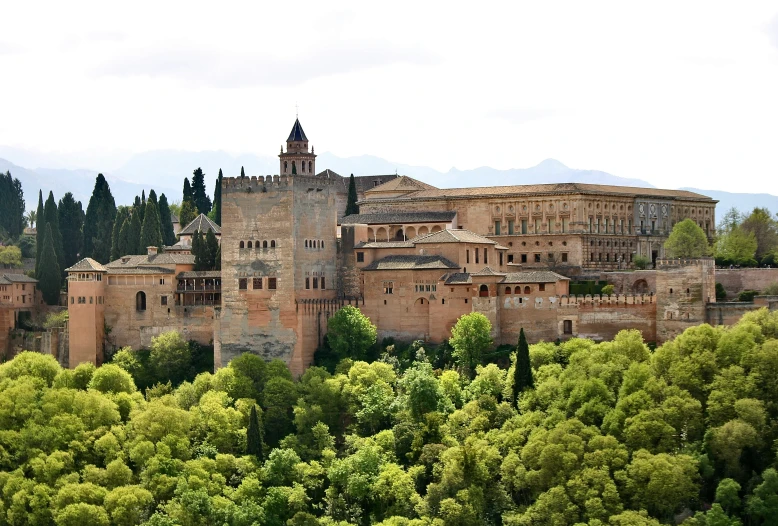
column 322, row 244
column 286, row 166
column 140, row 301
column 241, row 245
column 249, row 245
column 483, row 291
column 273, row 243
column 517, row 290
column 310, row 167
column 264, row 244
column 507, row 290
column 306, row 243
column 302, row 166
column 527, row 290
column 294, row 168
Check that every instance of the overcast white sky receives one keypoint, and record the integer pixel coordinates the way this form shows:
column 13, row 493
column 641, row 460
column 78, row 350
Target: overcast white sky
column 676, row 93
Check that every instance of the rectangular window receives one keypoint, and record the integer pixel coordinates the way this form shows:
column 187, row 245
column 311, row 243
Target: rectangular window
column 163, row 300
column 537, row 258
column 606, row 225
column 564, row 257
column 542, row 287
column 271, row 283
column 307, row 283
column 523, row 226
column 72, row 300
column 388, row 287
column 653, row 226
column 590, row 225
column 322, row 283
column 476, row 255
column 360, row 257
column 642, row 227
column 496, row 228
column 621, row 226
column 597, row 225
column 257, row 283
column 510, row 258
column 91, row 299
column 564, row 225
column 629, row 226
column 524, row 258
column 537, row 226
column 242, row 283
column 316, row 283
column 510, row 227
column 567, row 326
column 161, row 281
column 486, row 257
column 500, row 258
column 467, row 256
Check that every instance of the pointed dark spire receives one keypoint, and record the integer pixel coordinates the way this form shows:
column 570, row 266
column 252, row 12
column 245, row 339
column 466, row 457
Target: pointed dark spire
column 297, row 133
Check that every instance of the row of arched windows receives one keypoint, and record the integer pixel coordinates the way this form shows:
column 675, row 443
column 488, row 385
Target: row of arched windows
column 302, row 167
column 517, row 290
column 624, row 257
column 255, row 244
column 314, row 243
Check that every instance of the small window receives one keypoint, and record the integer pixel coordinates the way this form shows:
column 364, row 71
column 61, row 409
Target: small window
column 542, row 287
column 273, row 244
column 271, row 283
column 140, row 301
column 443, row 301
column 306, row 243
column 307, row 283
column 483, row 291
column 467, row 256
column 567, row 326
column 524, row 258
column 388, row 287
column 507, row 290
column 248, row 245
column 91, row 300
column 241, row 245
column 564, row 257
column 500, row 258
column 537, row 258
column 264, row 244
column 72, row 300
column 257, row 283
column 242, row 283
column 527, row 290
column 476, row 256
column 322, row 283
column 360, row 257
column 315, row 283
column 510, row 258
column 163, row 300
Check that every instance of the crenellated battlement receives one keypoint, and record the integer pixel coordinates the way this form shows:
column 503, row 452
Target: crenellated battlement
column 263, row 183
column 668, row 263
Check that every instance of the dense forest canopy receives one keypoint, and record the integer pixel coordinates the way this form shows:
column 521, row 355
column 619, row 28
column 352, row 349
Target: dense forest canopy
column 604, row 433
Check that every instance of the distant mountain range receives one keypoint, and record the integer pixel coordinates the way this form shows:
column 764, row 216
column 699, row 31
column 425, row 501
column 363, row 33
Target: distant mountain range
column 164, row 170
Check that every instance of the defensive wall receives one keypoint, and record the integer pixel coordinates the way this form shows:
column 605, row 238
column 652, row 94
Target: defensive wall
column 735, row 281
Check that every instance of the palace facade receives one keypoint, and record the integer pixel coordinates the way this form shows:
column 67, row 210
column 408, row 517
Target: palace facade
column 414, row 260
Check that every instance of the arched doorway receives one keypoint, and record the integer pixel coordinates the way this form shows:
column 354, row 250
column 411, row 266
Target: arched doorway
column 483, row 291
column 398, row 236
column 640, row 287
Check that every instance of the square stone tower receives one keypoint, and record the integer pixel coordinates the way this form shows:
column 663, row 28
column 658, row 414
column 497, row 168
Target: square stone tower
column 683, row 289
column 279, row 256
column 86, row 312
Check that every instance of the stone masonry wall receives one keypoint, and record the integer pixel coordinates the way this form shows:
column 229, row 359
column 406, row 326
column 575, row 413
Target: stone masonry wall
column 738, row 280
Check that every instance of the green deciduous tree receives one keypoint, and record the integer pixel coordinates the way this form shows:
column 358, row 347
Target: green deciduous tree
column 170, row 358
column 687, row 240
column 98, row 222
column 736, row 247
column 10, row 256
column 49, row 276
column 351, row 204
column 470, row 337
column 350, row 333
column 764, row 227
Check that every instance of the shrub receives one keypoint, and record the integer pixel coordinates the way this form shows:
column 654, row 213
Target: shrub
column 747, row 295
column 771, row 290
column 608, row 290
column 641, row 262
column 721, row 294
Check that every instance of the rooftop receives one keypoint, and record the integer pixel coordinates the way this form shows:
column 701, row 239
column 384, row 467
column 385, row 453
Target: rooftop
column 456, row 235
column 151, row 261
column 297, row 133
column 87, row 264
column 399, row 217
column 18, row 278
column 401, row 184
column 534, row 276
column 401, row 262
column 200, row 274
column 202, row 224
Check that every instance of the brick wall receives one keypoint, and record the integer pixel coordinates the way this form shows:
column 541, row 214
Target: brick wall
column 738, row 280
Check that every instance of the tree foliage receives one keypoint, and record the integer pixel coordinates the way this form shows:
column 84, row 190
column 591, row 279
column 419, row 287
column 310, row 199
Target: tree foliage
column 350, row 333
column 351, row 205
column 49, row 276
column 199, row 196
column 216, row 211
column 522, row 369
column 166, row 221
column 12, row 206
column 151, row 231
column 71, row 224
column 687, row 240
column 470, row 337
column 98, row 222
column 187, row 214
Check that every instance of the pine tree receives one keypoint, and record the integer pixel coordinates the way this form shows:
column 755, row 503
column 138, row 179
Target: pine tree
column 199, row 251
column 200, row 197
column 126, row 240
column 51, row 217
column 71, row 222
column 187, row 191
column 134, row 243
column 351, row 204
column 98, row 223
column 211, row 249
column 187, row 214
column 49, row 277
column 166, row 222
column 40, row 232
column 522, row 372
column 254, row 435
column 216, row 211
column 117, row 247
column 151, row 233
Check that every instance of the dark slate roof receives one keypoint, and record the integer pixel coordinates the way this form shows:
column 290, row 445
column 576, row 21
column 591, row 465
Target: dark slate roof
column 200, row 274
column 400, row 217
column 87, row 264
column 19, row 278
column 4, row 281
column 533, row 276
column 400, row 262
column 457, row 278
column 297, row 133
column 141, row 270
column 201, row 223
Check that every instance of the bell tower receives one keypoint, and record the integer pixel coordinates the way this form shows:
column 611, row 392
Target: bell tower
column 297, row 160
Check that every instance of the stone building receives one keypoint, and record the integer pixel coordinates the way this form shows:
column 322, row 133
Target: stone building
column 414, row 260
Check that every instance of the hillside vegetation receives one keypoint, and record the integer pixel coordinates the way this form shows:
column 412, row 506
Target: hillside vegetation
column 610, row 434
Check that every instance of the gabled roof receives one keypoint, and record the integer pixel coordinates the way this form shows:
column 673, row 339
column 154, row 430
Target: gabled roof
column 141, row 270
column 297, row 133
column 151, row 261
column 19, row 278
column 457, row 278
column 400, row 262
column 87, row 264
column 202, row 224
column 384, row 244
column 534, row 276
column 401, row 184
column 488, row 271
column 457, row 235
column 200, row 274
column 399, row 217
column 4, row 281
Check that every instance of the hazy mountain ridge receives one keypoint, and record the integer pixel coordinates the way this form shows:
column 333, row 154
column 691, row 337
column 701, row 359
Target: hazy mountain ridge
column 164, row 170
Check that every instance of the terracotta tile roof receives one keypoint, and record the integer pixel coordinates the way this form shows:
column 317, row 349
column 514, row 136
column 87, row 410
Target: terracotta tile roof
column 457, row 278
column 153, row 260
column 87, row 264
column 456, row 235
column 487, row 271
column 547, row 189
column 200, row 274
column 400, row 262
column 399, row 217
column 384, row 244
column 141, row 270
column 401, row 184
column 201, row 223
column 19, row 278
column 533, row 276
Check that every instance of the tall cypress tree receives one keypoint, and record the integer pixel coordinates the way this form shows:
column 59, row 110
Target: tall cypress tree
column 11, row 205
column 199, row 251
column 122, row 214
column 49, row 277
column 216, row 211
column 40, row 231
column 254, row 435
column 151, row 233
column 187, row 214
column 351, row 204
column 71, row 222
column 98, row 223
column 165, row 221
column 51, row 217
column 218, row 263
column 187, row 192
column 153, row 197
column 126, row 241
column 211, row 249
column 135, row 229
column 522, row 372
column 200, row 197
column 242, row 172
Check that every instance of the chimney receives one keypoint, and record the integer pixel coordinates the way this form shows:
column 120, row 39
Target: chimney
column 152, row 251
